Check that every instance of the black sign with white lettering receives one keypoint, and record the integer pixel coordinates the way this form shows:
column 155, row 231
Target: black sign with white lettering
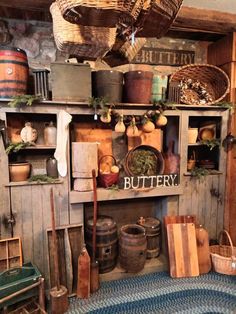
column 160, row 56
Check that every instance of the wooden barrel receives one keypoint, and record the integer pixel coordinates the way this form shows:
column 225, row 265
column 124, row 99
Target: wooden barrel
column 84, row 160
column 14, row 72
column 132, row 248
column 107, row 242
column 108, row 84
column 138, row 87
column 153, row 233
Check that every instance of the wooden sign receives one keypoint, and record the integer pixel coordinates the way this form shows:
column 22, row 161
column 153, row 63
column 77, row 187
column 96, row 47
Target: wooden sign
column 140, row 182
column 160, row 56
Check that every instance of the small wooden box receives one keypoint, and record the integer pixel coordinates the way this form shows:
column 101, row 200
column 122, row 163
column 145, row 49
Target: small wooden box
column 71, row 81
column 10, row 253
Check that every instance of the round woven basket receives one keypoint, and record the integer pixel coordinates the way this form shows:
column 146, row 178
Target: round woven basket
column 224, row 256
column 129, row 166
column 214, row 79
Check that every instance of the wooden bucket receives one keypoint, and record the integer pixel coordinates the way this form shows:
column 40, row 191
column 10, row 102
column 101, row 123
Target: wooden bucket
column 138, row 87
column 14, row 72
column 132, row 248
column 84, row 159
column 159, row 86
column 153, row 232
column 108, row 84
column 106, row 242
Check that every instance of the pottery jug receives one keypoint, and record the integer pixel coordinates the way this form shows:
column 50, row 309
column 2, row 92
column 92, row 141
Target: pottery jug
column 28, row 133
column 50, row 134
column 51, row 167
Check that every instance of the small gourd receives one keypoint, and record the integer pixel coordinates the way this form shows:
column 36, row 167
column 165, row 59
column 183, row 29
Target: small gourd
column 132, row 129
column 148, row 125
column 161, row 120
column 120, row 126
column 28, row 133
column 115, row 169
column 106, row 116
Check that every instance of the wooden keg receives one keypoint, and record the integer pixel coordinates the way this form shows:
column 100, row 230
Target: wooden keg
column 138, row 87
column 153, row 233
column 108, row 84
column 132, row 247
column 106, row 242
column 14, row 72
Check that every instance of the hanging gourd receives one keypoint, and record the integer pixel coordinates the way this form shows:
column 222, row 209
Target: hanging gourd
column 106, row 116
column 161, row 119
column 120, row 126
column 132, row 129
column 148, row 125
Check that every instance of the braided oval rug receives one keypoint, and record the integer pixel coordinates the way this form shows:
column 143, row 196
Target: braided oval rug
column 159, row 293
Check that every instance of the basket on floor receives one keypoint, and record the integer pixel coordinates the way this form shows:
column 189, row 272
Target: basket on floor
column 199, row 84
column 86, row 42
column 100, row 13
column 224, row 256
column 156, row 17
column 123, row 51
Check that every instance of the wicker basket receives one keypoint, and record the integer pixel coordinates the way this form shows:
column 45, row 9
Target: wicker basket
column 86, row 42
column 123, row 51
column 100, row 12
column 224, row 256
column 107, row 179
column 156, row 17
column 214, row 80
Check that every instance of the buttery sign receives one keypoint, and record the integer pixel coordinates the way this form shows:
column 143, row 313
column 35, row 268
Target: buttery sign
column 140, row 182
column 160, row 56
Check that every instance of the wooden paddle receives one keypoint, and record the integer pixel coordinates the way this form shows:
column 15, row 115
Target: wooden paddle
column 94, row 274
column 172, row 161
column 83, row 283
column 58, row 294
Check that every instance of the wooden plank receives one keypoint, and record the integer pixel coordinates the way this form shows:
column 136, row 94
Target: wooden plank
column 222, row 51
column 204, row 20
column 182, row 250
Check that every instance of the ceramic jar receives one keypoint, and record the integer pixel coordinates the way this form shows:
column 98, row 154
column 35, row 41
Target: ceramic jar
column 19, row 171
column 50, row 134
column 51, row 167
column 28, row 133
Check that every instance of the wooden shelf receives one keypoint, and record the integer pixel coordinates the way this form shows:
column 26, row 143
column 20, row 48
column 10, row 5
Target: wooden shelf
column 211, row 172
column 36, row 147
column 24, row 183
column 109, row 195
column 152, row 265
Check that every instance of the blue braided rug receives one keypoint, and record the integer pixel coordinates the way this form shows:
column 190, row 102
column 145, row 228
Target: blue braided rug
column 159, row 293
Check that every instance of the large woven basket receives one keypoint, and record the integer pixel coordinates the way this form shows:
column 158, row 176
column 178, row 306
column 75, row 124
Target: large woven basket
column 123, row 51
column 100, row 12
column 156, row 17
column 86, row 42
column 224, row 256
column 215, row 82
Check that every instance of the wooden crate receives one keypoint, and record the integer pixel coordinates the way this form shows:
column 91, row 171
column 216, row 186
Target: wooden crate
column 223, row 51
column 10, row 253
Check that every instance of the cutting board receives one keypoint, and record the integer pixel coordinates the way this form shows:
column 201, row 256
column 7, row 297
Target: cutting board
column 203, row 250
column 182, row 248
column 155, row 139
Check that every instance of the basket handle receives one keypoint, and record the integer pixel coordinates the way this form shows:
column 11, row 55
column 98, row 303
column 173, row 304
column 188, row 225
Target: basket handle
column 229, row 239
column 100, row 160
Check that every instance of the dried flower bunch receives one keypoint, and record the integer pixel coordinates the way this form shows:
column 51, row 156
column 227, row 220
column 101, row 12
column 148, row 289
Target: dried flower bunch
column 194, row 92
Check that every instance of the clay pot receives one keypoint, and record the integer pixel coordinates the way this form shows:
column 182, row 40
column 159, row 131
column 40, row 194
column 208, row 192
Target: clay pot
column 19, row 171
